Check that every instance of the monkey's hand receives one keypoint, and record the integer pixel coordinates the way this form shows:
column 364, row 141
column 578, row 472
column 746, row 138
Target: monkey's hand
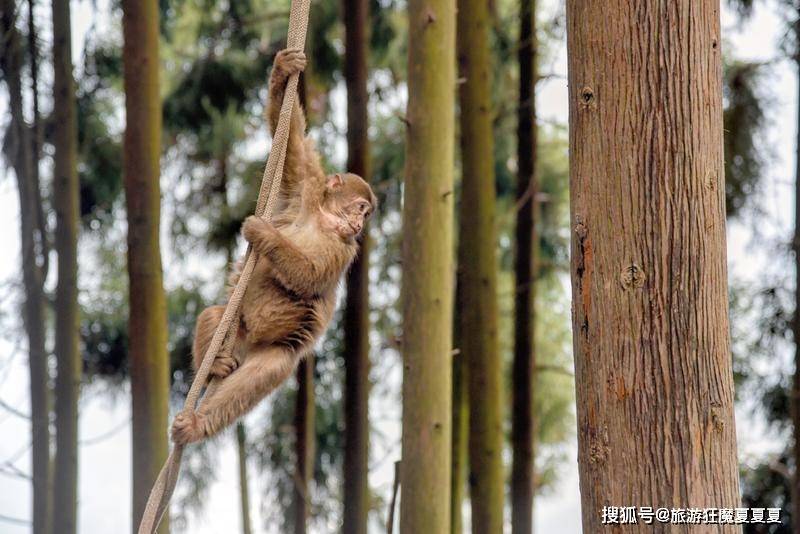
column 287, row 62
column 223, row 366
column 187, row 428
column 257, row 231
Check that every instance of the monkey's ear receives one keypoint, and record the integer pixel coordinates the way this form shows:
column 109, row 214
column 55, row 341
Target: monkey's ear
column 335, row 181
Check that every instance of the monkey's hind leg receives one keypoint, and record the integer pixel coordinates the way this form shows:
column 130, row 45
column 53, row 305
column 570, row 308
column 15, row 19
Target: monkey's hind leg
column 207, row 323
column 264, row 369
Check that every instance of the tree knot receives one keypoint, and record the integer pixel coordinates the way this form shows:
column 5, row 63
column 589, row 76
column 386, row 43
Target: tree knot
column 632, row 277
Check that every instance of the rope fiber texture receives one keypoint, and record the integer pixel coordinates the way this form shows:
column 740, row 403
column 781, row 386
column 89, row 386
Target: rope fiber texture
column 225, row 335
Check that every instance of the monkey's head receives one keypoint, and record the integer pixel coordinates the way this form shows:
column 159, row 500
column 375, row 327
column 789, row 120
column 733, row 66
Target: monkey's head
column 348, row 203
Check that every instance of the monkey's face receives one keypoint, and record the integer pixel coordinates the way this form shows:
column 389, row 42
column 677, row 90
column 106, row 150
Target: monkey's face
column 350, row 202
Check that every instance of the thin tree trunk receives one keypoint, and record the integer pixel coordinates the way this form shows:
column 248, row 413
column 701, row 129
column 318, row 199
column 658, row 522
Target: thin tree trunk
column 65, row 193
column 460, row 450
column 427, row 292
column 795, row 397
column 523, row 376
column 304, row 445
column 241, row 429
column 654, row 381
column 11, row 61
column 147, row 326
column 36, row 141
column 356, row 311
column 244, row 490
column 477, row 270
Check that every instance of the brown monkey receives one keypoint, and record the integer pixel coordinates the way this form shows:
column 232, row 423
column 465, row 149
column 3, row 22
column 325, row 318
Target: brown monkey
column 301, row 256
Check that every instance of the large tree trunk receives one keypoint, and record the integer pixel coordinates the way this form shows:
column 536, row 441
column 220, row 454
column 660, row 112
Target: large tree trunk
column 21, row 158
column 522, row 420
column 427, row 291
column 305, row 408
column 244, row 490
column 356, row 311
column 147, row 326
column 477, row 270
column 654, row 383
column 65, row 189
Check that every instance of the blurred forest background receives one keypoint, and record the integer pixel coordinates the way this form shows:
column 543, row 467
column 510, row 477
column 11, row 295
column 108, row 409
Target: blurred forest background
column 321, row 452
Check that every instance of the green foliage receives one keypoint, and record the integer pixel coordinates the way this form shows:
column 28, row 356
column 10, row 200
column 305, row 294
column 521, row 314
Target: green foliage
column 744, row 122
column 767, row 485
column 99, row 99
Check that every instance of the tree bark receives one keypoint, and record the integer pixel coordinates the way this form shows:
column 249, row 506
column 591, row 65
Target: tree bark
column 523, row 376
column 654, row 382
column 11, row 61
column 428, row 268
column 244, row 490
column 356, row 311
column 477, row 270
column 149, row 361
column 305, row 440
column 65, row 193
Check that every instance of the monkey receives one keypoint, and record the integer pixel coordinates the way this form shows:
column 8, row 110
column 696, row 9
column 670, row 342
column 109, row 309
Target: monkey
column 300, row 258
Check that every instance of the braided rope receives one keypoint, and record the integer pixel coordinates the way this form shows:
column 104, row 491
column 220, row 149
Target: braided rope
column 222, row 342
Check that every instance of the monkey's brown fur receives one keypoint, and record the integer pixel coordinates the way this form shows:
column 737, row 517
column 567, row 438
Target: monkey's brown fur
column 301, row 256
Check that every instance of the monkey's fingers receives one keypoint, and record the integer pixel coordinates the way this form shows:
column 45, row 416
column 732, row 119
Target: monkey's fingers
column 253, row 227
column 222, row 367
column 291, row 60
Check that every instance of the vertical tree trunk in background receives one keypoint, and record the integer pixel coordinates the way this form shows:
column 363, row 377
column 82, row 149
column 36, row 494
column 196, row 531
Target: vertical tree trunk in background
column 460, row 422
column 147, row 326
column 356, row 311
column 795, row 396
column 305, row 441
column 650, row 314
column 427, row 292
column 244, row 490
column 11, row 61
column 65, row 194
column 477, row 270
column 36, row 141
column 523, row 375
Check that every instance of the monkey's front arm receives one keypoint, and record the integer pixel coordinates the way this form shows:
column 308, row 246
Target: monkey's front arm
column 294, row 269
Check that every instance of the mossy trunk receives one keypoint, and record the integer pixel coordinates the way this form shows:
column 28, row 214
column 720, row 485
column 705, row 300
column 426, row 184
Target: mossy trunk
column 356, row 311
column 523, row 374
column 32, row 241
column 427, row 287
column 65, row 197
column 305, row 434
column 654, row 380
column 147, row 325
column 477, row 270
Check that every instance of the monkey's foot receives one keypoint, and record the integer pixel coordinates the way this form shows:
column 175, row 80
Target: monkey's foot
column 223, row 366
column 187, row 428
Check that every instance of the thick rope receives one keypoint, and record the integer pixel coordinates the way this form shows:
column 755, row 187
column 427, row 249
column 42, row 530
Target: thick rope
column 225, row 334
